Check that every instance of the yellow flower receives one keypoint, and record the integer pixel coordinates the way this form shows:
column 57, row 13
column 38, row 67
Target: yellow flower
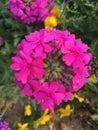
column 50, row 22
column 27, row 111
column 53, row 20
column 23, row 126
column 43, row 119
column 65, row 112
column 80, row 99
column 93, row 78
column 55, row 12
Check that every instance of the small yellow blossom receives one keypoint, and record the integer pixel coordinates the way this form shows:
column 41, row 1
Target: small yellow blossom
column 43, row 119
column 80, row 99
column 23, row 126
column 55, row 12
column 50, row 22
column 54, row 19
column 65, row 112
column 93, row 78
column 27, row 111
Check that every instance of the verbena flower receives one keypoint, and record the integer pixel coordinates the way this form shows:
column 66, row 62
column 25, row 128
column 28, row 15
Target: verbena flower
column 50, row 65
column 65, row 112
column 4, row 125
column 27, row 111
column 30, row 11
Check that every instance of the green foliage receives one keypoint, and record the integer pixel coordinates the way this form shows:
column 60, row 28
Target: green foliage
column 81, row 18
column 95, row 117
column 12, row 33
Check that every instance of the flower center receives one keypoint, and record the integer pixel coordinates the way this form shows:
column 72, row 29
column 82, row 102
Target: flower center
column 55, row 68
column 27, row 2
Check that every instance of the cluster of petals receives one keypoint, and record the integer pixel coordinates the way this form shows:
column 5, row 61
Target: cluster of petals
column 29, row 65
column 30, row 11
column 4, row 125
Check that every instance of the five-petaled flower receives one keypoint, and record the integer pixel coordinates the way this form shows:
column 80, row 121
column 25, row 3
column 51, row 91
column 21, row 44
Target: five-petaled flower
column 64, row 112
column 80, row 99
column 27, row 111
column 43, row 119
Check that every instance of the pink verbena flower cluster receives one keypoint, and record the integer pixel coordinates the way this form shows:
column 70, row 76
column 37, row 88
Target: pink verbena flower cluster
column 30, row 11
column 50, row 65
column 4, row 125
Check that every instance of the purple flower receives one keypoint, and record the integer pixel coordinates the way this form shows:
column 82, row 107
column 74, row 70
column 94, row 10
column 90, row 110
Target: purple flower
column 76, row 50
column 30, row 11
column 48, row 95
column 4, row 125
column 24, row 68
column 50, row 65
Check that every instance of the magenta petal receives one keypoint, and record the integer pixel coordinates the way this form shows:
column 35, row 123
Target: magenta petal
column 33, row 37
column 83, row 47
column 34, row 84
column 47, row 104
column 78, row 82
column 58, row 98
column 23, row 75
column 26, row 90
column 20, row 12
column 15, row 66
column 18, row 63
column 78, row 64
column 45, row 88
column 87, row 58
column 47, row 48
column 67, row 46
column 38, row 63
column 47, row 36
column 25, row 56
column 54, row 86
column 68, row 96
column 37, row 72
column 39, row 97
column 68, row 58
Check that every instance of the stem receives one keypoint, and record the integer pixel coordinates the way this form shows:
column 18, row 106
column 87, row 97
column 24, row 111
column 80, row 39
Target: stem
column 4, row 111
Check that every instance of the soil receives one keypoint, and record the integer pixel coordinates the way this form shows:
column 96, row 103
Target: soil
column 78, row 121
